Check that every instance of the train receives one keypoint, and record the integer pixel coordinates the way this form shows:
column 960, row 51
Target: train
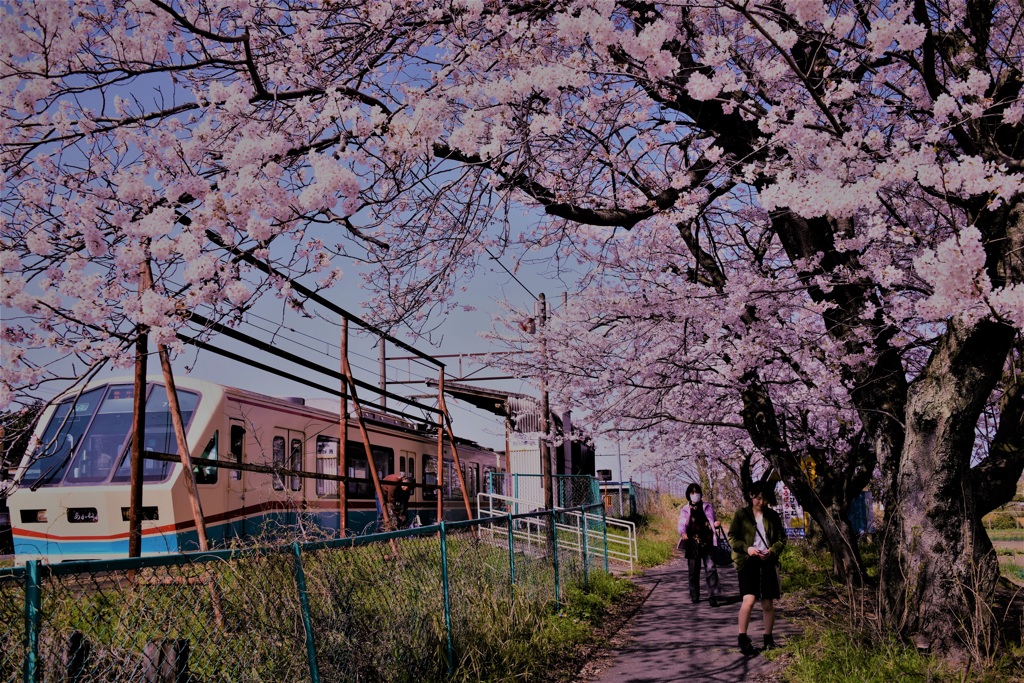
column 71, row 495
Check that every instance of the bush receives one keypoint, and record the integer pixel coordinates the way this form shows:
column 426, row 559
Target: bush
column 804, row 566
column 827, row 655
column 999, row 520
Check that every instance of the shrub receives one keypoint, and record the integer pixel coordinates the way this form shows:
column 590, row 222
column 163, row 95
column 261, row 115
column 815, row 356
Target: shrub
column 999, row 520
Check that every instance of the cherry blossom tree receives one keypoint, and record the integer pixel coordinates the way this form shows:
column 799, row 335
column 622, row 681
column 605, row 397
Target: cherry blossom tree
column 797, row 221
column 831, row 195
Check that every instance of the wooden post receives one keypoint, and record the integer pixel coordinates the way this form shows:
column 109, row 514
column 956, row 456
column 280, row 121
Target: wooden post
column 183, row 451
column 440, row 454
column 138, row 428
column 165, row 661
column 76, row 657
column 347, row 371
column 455, row 450
column 343, row 432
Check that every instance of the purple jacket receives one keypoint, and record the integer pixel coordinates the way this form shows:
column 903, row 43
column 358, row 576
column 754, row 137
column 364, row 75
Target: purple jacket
column 684, row 516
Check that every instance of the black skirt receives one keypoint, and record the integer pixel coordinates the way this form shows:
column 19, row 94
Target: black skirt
column 760, row 578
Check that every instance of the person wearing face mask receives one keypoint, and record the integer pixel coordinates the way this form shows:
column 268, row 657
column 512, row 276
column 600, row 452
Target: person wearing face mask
column 696, row 530
column 757, row 537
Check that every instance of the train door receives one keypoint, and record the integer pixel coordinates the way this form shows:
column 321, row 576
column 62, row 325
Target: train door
column 287, row 449
column 407, row 467
column 328, row 449
column 236, row 515
column 211, row 486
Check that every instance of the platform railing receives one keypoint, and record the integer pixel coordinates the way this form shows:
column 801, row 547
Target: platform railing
column 605, row 537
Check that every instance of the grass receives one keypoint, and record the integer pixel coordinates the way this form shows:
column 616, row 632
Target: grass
column 555, row 644
column 832, row 655
column 804, row 567
column 1006, row 535
column 835, row 646
column 657, row 535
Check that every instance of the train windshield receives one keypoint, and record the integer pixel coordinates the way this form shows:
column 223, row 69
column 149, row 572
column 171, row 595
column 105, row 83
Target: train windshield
column 159, row 434
column 86, row 438
column 105, row 439
column 63, row 433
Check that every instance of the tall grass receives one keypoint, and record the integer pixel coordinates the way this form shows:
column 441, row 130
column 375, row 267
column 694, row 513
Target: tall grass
column 657, row 534
column 549, row 644
column 828, row 654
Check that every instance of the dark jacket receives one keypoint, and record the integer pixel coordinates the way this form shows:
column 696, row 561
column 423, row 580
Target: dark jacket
column 743, row 529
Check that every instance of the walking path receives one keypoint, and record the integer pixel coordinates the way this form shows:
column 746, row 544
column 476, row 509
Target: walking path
column 671, row 639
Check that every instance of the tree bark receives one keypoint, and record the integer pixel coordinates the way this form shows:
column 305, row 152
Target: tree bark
column 938, row 570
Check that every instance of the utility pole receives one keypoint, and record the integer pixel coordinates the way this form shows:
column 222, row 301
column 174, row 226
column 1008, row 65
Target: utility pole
column 622, row 509
column 383, row 382
column 342, row 455
column 545, row 408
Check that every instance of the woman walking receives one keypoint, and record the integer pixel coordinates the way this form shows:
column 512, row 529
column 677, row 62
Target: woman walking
column 757, row 537
column 696, row 529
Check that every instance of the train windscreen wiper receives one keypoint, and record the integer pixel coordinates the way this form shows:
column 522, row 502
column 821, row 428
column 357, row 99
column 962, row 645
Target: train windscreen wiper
column 46, row 476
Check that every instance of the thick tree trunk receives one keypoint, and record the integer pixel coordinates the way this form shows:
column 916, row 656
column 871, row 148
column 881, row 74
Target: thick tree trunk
column 938, row 568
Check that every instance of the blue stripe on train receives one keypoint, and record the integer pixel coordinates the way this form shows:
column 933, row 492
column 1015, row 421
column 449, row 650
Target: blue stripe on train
column 319, row 525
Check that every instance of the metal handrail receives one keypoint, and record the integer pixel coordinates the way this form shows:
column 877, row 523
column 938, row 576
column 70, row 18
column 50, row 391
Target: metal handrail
column 620, row 548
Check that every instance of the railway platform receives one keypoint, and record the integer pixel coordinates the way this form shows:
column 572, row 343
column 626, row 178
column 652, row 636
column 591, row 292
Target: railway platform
column 670, row 639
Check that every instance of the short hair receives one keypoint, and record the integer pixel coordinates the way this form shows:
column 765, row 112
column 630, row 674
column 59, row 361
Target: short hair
column 764, row 488
column 691, row 488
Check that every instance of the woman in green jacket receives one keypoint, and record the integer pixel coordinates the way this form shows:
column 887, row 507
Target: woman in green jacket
column 757, row 537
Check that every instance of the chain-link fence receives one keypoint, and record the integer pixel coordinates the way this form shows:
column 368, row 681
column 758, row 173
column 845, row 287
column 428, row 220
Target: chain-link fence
column 413, row 605
column 629, row 500
column 569, row 490
column 646, row 500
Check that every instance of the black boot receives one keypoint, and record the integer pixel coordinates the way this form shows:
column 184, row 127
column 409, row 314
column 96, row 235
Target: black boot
column 769, row 642
column 746, row 646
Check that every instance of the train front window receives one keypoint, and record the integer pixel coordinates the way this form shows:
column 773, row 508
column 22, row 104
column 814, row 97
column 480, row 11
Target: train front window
column 98, row 452
column 159, row 436
column 62, row 435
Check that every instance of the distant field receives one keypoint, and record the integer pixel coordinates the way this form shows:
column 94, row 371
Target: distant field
column 1000, row 535
column 1009, row 546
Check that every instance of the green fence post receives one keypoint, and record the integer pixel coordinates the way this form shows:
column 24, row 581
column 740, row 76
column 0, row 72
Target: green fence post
column 511, row 558
column 554, row 557
column 33, row 615
column 447, row 600
column 307, row 623
column 604, row 531
column 586, row 565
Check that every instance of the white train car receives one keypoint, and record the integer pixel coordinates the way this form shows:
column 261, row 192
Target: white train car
column 72, row 495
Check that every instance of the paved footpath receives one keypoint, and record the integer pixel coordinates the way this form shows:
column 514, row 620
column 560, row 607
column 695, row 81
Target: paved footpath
column 671, row 639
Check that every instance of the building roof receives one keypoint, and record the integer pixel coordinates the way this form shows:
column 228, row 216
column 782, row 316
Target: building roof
column 522, row 410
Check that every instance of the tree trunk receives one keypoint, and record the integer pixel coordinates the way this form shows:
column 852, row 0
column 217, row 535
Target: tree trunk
column 938, row 568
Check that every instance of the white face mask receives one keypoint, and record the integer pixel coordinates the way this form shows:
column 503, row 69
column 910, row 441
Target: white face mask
column 694, row 498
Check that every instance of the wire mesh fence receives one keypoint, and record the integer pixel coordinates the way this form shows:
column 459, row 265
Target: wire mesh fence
column 413, row 605
column 570, row 490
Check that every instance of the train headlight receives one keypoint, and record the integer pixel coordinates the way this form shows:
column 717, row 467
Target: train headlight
column 33, row 517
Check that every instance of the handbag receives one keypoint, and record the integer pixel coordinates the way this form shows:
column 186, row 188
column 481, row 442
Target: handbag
column 721, row 552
